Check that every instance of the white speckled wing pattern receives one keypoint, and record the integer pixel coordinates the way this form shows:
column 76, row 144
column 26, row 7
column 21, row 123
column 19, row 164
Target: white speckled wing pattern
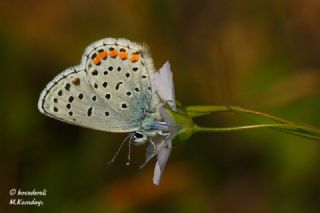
column 111, row 90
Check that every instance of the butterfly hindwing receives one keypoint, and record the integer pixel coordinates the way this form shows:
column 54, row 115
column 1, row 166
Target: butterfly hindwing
column 121, row 73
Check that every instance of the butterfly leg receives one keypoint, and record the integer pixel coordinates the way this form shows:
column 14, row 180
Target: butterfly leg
column 160, row 132
column 153, row 145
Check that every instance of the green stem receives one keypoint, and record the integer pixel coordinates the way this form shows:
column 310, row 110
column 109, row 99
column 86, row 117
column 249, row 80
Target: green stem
column 197, row 128
column 211, row 109
column 186, row 126
column 204, row 110
column 235, row 128
column 298, row 130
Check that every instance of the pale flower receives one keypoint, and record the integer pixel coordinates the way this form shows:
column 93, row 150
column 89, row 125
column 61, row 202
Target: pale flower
column 162, row 144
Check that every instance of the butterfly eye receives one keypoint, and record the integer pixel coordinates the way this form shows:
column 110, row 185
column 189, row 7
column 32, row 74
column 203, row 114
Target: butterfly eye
column 139, row 138
column 138, row 135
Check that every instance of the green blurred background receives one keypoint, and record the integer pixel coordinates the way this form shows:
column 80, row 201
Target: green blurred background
column 262, row 55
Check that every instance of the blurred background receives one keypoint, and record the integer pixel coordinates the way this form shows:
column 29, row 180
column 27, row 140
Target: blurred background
column 262, row 55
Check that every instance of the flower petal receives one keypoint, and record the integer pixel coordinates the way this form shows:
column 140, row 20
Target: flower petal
column 163, row 82
column 162, row 157
column 150, row 153
column 159, row 143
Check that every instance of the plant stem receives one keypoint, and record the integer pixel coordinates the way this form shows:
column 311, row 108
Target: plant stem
column 281, row 125
column 286, row 128
column 210, row 109
column 235, row 128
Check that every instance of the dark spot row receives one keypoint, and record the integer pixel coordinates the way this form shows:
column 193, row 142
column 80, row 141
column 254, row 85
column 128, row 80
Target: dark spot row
column 105, row 85
column 55, row 109
column 110, row 69
column 89, row 111
column 128, row 93
column 94, row 97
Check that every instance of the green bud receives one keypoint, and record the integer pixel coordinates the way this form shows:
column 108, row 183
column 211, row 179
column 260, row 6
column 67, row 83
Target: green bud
column 184, row 126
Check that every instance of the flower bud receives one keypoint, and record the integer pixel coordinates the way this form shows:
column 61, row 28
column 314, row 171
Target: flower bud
column 183, row 125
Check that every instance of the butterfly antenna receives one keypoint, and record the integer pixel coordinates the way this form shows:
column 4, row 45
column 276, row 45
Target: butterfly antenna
column 129, row 154
column 116, row 154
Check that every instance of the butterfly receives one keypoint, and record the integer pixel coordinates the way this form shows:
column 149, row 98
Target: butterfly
column 116, row 88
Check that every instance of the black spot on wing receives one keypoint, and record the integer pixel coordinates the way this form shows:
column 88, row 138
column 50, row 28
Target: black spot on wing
column 48, row 90
column 89, row 112
column 118, row 85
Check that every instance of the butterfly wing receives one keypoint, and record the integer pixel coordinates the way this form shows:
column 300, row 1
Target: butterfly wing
column 121, row 73
column 163, row 82
column 111, row 90
column 70, row 98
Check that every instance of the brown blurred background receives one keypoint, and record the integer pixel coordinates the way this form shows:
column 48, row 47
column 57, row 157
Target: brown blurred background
column 263, row 55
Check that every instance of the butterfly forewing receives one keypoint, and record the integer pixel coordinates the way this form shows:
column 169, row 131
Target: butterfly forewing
column 69, row 98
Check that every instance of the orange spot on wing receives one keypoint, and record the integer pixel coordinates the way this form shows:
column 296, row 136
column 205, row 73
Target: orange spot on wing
column 103, row 55
column 75, row 81
column 123, row 55
column 96, row 60
column 135, row 57
column 113, row 54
